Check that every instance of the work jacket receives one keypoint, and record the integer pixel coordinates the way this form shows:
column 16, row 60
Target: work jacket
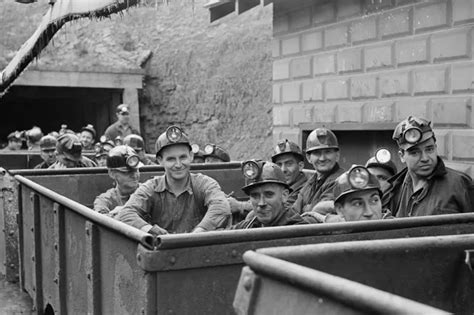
column 316, row 190
column 447, row 191
column 296, row 188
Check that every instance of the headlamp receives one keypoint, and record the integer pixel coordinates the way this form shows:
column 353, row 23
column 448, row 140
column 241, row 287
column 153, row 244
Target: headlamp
column 132, row 161
column 359, row 177
column 103, row 138
column 209, row 149
column 383, row 156
column 412, row 135
column 97, row 147
column 195, row 148
column 282, row 146
column 250, row 169
column 174, row 134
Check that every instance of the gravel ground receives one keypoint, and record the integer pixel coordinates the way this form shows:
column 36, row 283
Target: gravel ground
column 13, row 300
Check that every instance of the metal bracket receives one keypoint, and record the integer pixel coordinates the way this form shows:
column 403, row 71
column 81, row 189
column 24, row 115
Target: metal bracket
column 469, row 258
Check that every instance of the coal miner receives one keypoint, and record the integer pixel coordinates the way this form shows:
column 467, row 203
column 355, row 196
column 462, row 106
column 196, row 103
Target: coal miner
column 426, row 186
column 122, row 164
column 178, row 201
column 322, row 151
column 268, row 192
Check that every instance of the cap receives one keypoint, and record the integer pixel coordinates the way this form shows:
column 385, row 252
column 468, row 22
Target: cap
column 123, row 158
column 48, row 142
column 286, row 146
column 172, row 136
column 257, row 172
column 70, row 146
column 383, row 159
column 321, row 138
column 122, row 109
column 134, row 141
column 357, row 178
column 34, row 134
column 217, row 152
column 412, row 131
column 15, row 136
column 89, row 128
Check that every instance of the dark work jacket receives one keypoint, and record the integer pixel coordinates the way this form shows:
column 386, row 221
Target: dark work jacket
column 287, row 217
column 296, row 188
column 42, row 165
column 316, row 190
column 447, row 191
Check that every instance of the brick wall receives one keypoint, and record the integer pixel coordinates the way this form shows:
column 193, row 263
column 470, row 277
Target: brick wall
column 350, row 62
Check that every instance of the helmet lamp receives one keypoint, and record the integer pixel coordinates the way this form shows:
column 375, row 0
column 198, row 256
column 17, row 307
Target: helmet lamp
column 282, row 146
column 209, row 149
column 383, row 156
column 174, row 134
column 412, row 135
column 195, row 148
column 250, row 170
column 359, row 177
column 132, row 161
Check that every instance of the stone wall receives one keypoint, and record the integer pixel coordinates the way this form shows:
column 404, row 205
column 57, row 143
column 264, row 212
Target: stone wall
column 350, row 62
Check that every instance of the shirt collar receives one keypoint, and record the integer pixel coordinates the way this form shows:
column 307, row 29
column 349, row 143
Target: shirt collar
column 162, row 184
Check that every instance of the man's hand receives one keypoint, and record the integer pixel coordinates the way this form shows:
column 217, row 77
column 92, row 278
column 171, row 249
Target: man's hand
column 234, row 205
column 198, row 230
column 156, row 230
column 115, row 211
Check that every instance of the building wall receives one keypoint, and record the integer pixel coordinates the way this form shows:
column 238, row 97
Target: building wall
column 351, row 63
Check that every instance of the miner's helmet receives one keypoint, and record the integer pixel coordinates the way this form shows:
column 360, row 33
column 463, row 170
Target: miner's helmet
column 172, row 136
column 123, row 158
column 34, row 134
column 134, row 141
column 70, row 146
column 383, row 159
column 212, row 150
column 103, row 147
column 48, row 142
column 321, row 138
column 90, row 129
column 15, row 136
column 358, row 178
column 284, row 147
column 257, row 172
column 412, row 131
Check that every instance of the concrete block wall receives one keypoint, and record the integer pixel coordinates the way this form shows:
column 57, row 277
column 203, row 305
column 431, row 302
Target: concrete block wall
column 374, row 62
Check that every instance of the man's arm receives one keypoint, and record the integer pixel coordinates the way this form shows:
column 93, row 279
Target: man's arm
column 102, row 204
column 218, row 210
column 138, row 207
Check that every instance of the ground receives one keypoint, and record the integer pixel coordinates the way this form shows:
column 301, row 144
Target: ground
column 212, row 79
column 13, row 300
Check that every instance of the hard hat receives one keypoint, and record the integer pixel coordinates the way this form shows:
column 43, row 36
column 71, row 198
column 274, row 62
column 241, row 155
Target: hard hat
column 257, row 172
column 15, row 136
column 358, row 178
column 123, row 158
column 383, row 159
column 412, row 131
column 34, row 134
column 48, row 142
column 321, row 138
column 284, row 147
column 134, row 141
column 172, row 136
column 217, row 152
column 123, row 109
column 103, row 147
column 70, row 146
column 89, row 128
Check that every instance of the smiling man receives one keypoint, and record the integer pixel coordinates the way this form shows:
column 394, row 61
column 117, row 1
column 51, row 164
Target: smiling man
column 322, row 151
column 268, row 192
column 426, row 186
column 178, row 201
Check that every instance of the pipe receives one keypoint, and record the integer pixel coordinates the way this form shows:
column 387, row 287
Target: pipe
column 144, row 238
